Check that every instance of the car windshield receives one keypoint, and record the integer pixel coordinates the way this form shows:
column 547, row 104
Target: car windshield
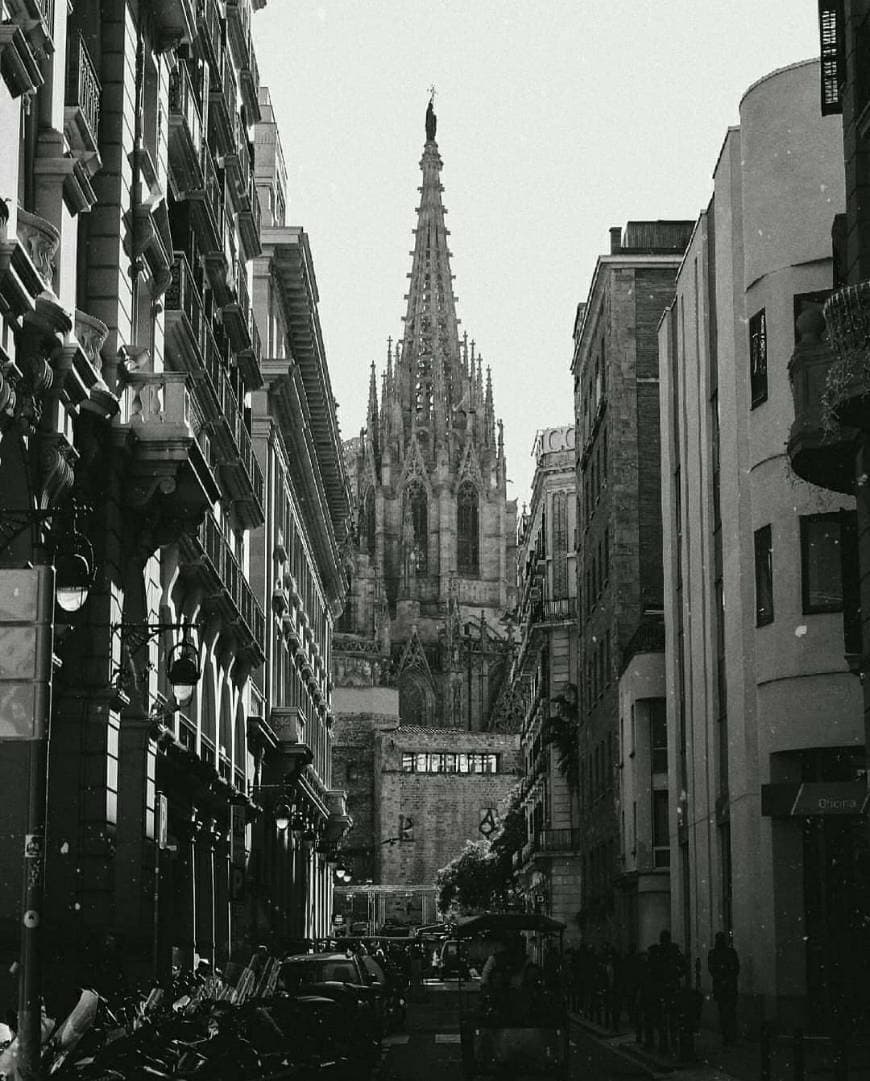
column 296, row 974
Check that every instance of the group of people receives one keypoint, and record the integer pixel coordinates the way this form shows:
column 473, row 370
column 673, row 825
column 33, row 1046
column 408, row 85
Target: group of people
column 653, row 989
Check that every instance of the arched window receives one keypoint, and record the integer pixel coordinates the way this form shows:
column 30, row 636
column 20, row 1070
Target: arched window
column 560, row 545
column 369, row 518
column 467, row 530
column 419, row 508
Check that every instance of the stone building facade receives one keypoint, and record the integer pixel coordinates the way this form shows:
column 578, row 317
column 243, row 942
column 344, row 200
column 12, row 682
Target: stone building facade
column 544, row 682
column 431, row 566
column 761, row 581
column 130, row 368
column 619, row 564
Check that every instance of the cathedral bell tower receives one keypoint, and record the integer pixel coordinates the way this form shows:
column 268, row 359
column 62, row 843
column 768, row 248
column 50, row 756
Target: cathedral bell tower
column 435, row 532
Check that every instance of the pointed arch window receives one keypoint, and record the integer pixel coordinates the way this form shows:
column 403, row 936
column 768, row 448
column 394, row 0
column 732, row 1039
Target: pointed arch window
column 468, row 530
column 369, row 519
column 419, row 507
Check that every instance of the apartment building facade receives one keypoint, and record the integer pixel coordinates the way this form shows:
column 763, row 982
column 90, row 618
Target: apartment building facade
column 764, row 719
column 131, row 356
column 544, row 682
column 616, row 422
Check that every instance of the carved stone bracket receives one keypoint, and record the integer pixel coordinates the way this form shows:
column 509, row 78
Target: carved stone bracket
column 41, row 240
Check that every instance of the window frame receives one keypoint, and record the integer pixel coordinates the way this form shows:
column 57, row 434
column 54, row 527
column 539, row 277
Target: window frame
column 763, row 615
column 758, row 358
column 806, row 522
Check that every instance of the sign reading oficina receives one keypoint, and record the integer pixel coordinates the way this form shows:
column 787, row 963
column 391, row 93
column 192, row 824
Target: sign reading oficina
column 830, row 798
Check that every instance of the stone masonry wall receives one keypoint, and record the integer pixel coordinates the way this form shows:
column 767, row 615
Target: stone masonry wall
column 445, row 809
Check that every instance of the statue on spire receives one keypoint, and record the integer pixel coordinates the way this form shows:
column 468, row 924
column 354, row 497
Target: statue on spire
column 431, row 118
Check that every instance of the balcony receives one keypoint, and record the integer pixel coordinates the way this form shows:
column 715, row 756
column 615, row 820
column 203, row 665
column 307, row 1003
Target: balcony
column 208, row 24
column 206, row 557
column 239, row 28
column 249, row 359
column 339, row 821
column 248, row 220
column 237, row 314
column 222, row 106
column 83, row 94
column 184, row 318
column 174, row 21
column 167, row 469
column 185, row 133
column 239, row 469
column 208, row 205
column 35, row 21
column 191, row 346
column 238, row 165
column 249, row 84
column 560, row 610
column 820, row 451
column 847, row 313
column 557, row 842
column 18, row 65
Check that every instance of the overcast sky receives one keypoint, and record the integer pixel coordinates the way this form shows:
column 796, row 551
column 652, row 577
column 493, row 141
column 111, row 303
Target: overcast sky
column 556, row 120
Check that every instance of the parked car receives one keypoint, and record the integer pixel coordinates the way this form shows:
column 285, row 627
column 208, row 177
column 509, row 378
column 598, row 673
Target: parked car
column 344, row 978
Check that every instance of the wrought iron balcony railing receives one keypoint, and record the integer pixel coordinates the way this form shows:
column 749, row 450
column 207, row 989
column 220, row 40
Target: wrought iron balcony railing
column 185, row 129
column 228, row 573
column 83, row 86
column 557, row 841
column 559, row 610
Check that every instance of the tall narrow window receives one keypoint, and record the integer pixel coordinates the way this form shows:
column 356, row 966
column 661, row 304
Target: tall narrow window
column 560, row 545
column 468, row 530
column 370, row 522
column 821, row 563
column 661, row 829
column 758, row 357
column 658, row 733
column 763, row 576
column 419, row 508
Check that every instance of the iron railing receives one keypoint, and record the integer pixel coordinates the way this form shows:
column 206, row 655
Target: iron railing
column 554, row 611
column 83, row 85
column 560, row 840
column 228, row 571
column 183, row 294
column 183, row 101
column 213, row 189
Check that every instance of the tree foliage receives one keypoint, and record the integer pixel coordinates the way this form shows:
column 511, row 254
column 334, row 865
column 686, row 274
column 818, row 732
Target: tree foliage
column 481, row 877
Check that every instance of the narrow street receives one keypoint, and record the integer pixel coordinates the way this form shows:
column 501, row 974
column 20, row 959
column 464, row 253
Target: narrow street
column 429, row 1050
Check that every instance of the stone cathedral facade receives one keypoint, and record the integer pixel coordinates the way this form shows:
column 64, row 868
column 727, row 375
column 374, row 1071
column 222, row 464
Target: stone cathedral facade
column 426, row 640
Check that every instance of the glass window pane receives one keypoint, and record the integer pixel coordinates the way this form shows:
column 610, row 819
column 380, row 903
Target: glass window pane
column 821, row 563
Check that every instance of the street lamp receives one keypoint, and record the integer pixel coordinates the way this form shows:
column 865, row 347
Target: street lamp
column 282, row 815
column 73, row 571
column 183, row 669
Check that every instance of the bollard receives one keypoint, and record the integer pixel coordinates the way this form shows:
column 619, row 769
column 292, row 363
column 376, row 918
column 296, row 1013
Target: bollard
column 798, row 1055
column 765, row 1051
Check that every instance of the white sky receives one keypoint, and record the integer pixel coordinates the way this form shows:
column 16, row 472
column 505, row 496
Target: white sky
column 556, row 120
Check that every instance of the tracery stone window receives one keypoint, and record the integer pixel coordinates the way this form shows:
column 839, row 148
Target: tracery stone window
column 418, row 505
column 467, row 530
column 369, row 522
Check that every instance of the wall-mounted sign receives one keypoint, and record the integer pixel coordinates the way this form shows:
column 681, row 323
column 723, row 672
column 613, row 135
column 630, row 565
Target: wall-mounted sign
column 814, row 798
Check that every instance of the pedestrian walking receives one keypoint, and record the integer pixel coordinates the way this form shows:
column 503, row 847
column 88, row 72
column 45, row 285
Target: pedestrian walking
column 668, row 966
column 723, row 965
